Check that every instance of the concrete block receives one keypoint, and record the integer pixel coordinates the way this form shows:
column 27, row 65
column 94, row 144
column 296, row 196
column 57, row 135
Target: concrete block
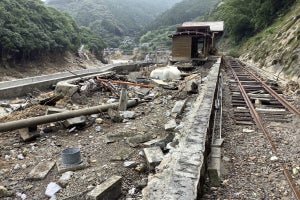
column 108, row 190
column 154, row 156
column 28, row 134
column 76, row 121
column 61, row 168
column 178, row 107
column 40, row 171
column 170, row 125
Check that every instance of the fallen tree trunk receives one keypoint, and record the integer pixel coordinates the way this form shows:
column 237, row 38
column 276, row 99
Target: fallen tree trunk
column 29, row 122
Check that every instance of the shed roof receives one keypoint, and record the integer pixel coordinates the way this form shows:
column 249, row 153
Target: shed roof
column 216, row 26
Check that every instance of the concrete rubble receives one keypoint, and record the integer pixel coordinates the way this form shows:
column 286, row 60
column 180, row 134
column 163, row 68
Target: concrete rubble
column 121, row 146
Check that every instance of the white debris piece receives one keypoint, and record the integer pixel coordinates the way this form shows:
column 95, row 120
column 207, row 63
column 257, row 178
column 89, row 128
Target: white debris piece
column 51, row 189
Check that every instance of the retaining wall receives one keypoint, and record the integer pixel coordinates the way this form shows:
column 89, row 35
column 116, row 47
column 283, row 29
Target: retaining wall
column 181, row 174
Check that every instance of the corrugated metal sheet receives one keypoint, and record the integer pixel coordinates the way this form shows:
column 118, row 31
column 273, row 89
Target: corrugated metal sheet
column 217, row 26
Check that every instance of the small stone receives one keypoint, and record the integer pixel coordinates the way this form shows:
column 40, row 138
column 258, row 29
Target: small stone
column 98, row 129
column 129, row 164
column 20, row 157
column 99, row 120
column 141, row 167
column 24, row 166
column 65, row 177
column 128, row 114
column 16, row 167
column 247, row 130
column 170, row 125
column 226, row 159
column 7, row 157
column 21, row 195
column 131, row 191
column 274, row 158
column 295, row 171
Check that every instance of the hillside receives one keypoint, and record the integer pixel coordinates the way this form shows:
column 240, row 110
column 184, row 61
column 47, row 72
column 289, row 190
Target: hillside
column 277, row 48
column 156, row 33
column 113, row 19
column 30, row 30
column 186, row 10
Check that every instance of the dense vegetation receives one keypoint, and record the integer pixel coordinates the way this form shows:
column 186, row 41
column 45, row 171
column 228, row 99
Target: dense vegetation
column 245, row 18
column 186, row 10
column 30, row 30
column 113, row 19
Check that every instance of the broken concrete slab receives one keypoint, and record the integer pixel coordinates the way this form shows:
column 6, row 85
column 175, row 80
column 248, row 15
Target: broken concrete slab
column 110, row 189
column 61, row 168
column 127, row 114
column 113, row 137
column 76, row 121
column 40, row 171
column 138, row 139
column 154, row 156
column 178, row 107
column 28, row 135
column 122, row 154
column 129, row 164
column 170, row 125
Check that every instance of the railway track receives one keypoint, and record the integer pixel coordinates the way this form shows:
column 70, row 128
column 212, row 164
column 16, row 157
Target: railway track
column 256, row 102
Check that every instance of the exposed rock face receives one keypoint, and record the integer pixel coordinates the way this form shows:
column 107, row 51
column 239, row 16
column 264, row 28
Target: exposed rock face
column 277, row 49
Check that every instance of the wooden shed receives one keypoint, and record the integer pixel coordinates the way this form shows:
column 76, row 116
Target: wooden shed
column 194, row 40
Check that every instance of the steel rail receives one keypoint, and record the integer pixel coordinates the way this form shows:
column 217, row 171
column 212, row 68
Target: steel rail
column 260, row 125
column 284, row 102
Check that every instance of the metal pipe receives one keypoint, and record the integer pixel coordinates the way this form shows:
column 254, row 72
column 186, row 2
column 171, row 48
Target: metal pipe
column 23, row 123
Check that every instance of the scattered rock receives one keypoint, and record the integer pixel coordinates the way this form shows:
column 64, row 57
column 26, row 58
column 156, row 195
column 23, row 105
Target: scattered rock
column 99, row 120
column 154, row 156
column 127, row 114
column 129, row 164
column 98, row 128
column 64, row 179
column 274, row 158
column 170, row 125
column 142, row 167
column 20, row 157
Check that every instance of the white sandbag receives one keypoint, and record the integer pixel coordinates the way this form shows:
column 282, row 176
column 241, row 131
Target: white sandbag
column 168, row 73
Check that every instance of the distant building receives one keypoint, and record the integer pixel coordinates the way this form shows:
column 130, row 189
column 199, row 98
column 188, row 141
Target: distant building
column 193, row 41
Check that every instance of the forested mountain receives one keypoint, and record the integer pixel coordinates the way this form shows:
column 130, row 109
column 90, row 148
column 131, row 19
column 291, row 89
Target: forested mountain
column 113, row 19
column 187, row 10
column 29, row 29
column 246, row 18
